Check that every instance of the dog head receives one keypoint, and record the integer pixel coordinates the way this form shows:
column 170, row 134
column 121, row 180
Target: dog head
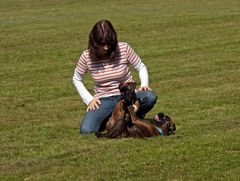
column 165, row 123
column 127, row 90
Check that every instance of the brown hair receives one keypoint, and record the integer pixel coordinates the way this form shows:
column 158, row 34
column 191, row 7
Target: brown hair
column 102, row 33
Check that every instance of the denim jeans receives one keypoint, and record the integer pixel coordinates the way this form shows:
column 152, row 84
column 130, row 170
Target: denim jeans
column 93, row 120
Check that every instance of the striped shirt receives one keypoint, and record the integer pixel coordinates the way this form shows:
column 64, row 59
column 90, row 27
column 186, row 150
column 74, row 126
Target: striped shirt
column 107, row 74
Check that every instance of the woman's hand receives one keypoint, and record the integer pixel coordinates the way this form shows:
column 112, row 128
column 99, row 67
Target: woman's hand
column 94, row 104
column 144, row 88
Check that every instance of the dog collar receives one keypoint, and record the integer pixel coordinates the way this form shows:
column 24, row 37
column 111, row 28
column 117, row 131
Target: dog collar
column 160, row 131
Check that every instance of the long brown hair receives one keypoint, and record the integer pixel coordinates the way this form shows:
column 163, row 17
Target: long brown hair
column 102, row 32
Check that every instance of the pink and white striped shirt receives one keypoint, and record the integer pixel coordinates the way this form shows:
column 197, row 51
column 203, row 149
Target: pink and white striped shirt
column 107, row 74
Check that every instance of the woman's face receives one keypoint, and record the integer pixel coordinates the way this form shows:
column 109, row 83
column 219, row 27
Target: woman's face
column 104, row 48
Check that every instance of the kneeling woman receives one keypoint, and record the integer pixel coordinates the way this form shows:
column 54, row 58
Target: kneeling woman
column 108, row 62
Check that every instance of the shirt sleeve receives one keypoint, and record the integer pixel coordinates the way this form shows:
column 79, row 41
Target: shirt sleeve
column 137, row 63
column 80, row 70
column 82, row 64
column 143, row 74
column 132, row 57
column 82, row 91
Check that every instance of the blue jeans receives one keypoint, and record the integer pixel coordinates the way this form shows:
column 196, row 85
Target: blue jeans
column 93, row 120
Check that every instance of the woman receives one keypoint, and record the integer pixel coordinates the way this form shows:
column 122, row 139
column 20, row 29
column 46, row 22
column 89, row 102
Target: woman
column 108, row 61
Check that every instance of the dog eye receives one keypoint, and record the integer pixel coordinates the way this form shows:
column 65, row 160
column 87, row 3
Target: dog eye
column 168, row 124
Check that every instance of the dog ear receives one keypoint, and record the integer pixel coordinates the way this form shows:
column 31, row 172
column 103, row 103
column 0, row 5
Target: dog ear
column 133, row 85
column 167, row 118
column 121, row 85
column 174, row 127
column 161, row 116
column 168, row 124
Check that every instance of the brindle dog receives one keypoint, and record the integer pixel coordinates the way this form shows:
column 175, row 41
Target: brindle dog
column 125, row 123
column 128, row 97
column 143, row 128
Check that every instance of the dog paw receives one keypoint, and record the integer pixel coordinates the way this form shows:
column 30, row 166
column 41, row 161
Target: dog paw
column 135, row 108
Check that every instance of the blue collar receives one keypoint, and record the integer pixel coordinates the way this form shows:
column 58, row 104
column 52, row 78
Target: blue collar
column 159, row 130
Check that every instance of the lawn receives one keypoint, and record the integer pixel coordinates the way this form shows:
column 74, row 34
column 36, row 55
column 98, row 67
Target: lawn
column 192, row 51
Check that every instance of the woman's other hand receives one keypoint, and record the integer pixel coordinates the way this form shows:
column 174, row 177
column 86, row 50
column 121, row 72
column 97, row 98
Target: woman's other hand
column 144, row 88
column 94, row 104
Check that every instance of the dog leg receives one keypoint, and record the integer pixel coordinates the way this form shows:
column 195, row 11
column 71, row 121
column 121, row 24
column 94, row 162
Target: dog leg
column 118, row 113
column 119, row 130
column 136, row 105
column 150, row 129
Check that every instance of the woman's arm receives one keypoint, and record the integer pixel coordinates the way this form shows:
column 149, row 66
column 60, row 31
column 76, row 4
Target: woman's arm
column 137, row 63
column 82, row 91
column 143, row 75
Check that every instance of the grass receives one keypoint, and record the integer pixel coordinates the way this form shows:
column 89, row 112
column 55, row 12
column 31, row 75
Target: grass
column 191, row 49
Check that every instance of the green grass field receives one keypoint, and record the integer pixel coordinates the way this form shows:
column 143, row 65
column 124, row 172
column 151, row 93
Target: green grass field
column 192, row 51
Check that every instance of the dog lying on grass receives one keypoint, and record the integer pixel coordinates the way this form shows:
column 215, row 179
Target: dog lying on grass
column 125, row 123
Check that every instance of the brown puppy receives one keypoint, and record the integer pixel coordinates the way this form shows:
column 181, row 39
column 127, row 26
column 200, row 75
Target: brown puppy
column 128, row 97
column 120, row 118
column 125, row 123
column 138, row 128
column 165, row 123
column 142, row 128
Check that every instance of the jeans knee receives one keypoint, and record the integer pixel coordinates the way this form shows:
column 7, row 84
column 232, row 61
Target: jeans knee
column 85, row 129
column 151, row 98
